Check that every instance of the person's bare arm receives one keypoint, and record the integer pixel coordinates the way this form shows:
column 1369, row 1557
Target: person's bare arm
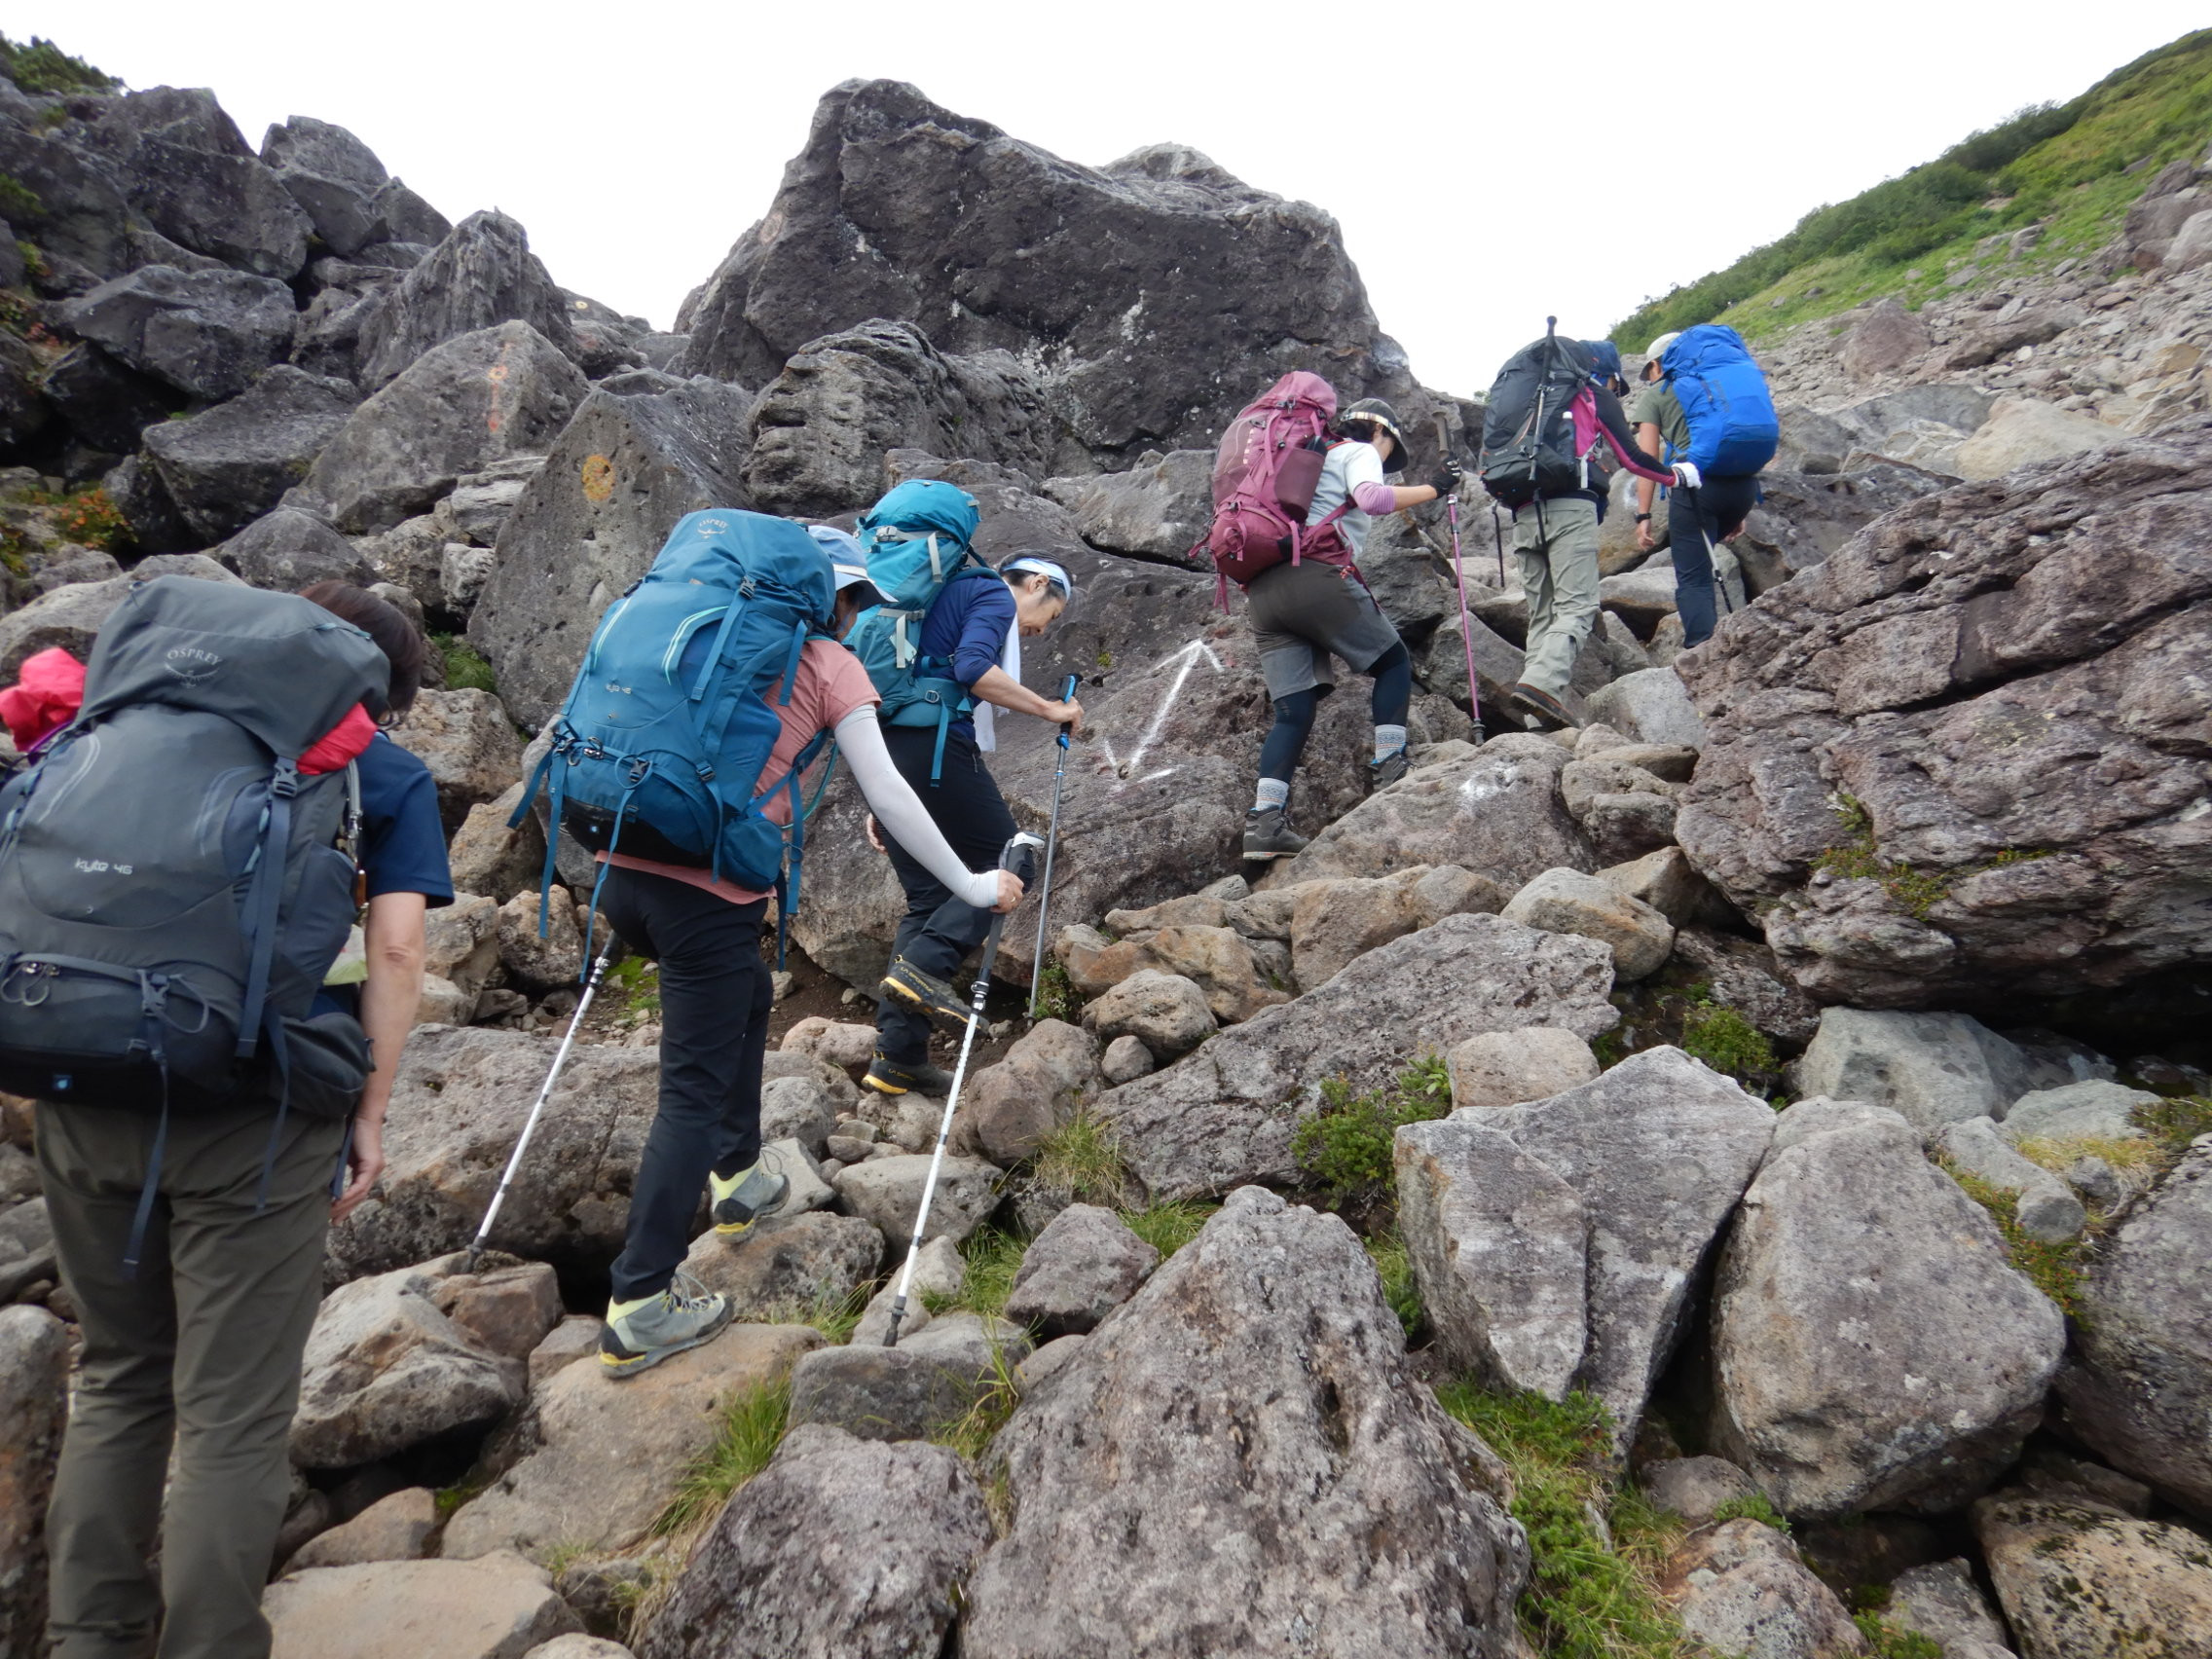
column 1002, row 690
column 1647, row 492
column 390, row 996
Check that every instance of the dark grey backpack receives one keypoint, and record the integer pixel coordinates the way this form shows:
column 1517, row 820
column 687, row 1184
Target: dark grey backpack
column 172, row 890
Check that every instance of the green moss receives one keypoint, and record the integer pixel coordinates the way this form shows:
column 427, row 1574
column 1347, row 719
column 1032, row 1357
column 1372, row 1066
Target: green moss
column 1590, row 1596
column 2064, row 166
column 1083, row 1157
column 1168, row 1227
column 1755, row 1507
column 1056, row 996
column 40, row 66
column 1345, row 1147
column 2055, row 1270
column 1728, row 1042
column 1886, row 1641
column 465, row 670
column 751, row 1427
column 1610, row 1047
column 1916, row 892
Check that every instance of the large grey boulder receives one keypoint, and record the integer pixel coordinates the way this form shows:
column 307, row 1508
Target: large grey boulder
column 288, row 549
column 1942, row 1603
column 1556, row 1243
column 457, row 1107
column 1226, row 1115
column 888, row 1192
column 1158, row 509
column 26, row 1247
column 464, row 404
column 35, row 1404
column 928, row 1384
column 2094, row 1109
column 71, row 617
column 824, row 423
column 185, row 165
column 1931, row 1068
column 1012, row 1108
column 840, row 1549
column 1873, row 1347
column 344, row 188
column 470, row 745
column 227, row 466
column 788, row 1265
column 2141, row 1385
column 481, row 275
column 1239, row 1460
column 105, row 402
column 83, row 219
column 589, row 522
column 2076, row 1581
column 600, row 1464
column 1499, row 814
column 1568, row 902
column 385, row 1370
column 1213, row 291
column 207, row 333
column 2061, row 605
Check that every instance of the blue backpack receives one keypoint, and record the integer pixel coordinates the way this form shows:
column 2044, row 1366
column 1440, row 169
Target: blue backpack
column 1733, row 430
column 916, row 541
column 658, row 751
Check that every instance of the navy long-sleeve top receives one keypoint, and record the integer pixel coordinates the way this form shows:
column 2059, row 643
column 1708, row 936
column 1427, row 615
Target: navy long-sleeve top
column 967, row 628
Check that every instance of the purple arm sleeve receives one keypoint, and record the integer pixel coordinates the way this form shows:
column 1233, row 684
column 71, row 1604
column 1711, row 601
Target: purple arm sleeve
column 1378, row 499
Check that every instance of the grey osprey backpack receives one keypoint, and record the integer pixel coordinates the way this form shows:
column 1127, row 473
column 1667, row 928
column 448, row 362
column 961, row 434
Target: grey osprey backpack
column 172, row 890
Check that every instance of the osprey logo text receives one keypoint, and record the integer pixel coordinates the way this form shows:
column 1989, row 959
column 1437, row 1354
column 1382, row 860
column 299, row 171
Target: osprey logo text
column 713, row 526
column 100, row 867
column 191, row 664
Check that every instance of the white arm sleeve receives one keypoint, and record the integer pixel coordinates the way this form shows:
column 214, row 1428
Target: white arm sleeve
column 901, row 813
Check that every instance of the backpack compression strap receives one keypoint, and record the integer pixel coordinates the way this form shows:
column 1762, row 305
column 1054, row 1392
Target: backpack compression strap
column 262, row 898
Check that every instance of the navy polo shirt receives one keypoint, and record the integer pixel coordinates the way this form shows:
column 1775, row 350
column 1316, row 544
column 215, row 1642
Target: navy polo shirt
column 403, row 842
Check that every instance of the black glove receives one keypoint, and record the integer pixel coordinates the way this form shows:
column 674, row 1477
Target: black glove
column 1446, row 482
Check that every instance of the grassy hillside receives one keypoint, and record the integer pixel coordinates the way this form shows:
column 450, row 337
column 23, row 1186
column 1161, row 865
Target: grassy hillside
column 2077, row 165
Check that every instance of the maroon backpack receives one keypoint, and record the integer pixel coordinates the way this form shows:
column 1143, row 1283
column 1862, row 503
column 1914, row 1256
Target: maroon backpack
column 1264, row 478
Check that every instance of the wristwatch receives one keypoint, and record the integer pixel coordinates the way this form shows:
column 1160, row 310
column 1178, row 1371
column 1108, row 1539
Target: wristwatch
column 1643, row 518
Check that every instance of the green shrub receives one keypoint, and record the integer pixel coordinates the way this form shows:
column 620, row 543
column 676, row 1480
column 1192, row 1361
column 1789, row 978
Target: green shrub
column 20, row 204
column 465, row 670
column 40, row 66
column 2174, row 1123
column 1728, row 1042
column 1588, row 1597
column 1056, row 995
column 1346, row 1146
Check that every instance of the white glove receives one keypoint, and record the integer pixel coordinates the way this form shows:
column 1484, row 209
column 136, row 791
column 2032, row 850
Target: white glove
column 1685, row 475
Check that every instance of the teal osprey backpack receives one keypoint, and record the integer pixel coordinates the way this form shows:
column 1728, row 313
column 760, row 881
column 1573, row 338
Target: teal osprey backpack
column 659, row 748
column 916, row 540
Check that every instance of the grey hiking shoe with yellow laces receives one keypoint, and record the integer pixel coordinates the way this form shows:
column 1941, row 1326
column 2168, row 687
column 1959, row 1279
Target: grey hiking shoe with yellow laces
column 639, row 1335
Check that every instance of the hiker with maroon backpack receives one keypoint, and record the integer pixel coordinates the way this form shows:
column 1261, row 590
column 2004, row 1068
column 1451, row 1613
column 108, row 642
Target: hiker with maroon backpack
column 1295, row 494
column 1551, row 406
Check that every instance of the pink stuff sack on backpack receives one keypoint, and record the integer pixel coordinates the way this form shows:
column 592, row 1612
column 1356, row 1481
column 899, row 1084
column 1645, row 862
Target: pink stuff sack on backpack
column 1264, row 478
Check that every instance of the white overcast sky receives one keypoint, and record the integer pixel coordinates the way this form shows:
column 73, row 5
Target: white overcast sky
column 1488, row 164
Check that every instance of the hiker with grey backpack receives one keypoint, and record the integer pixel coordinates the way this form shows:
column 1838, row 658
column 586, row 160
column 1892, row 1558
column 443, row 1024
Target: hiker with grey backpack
column 1296, row 488
column 706, row 693
column 205, row 808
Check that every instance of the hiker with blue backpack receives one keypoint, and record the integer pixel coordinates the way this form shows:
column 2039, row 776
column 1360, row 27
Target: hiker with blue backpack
column 207, row 806
column 1553, row 403
column 706, row 693
column 1706, row 396
column 943, row 649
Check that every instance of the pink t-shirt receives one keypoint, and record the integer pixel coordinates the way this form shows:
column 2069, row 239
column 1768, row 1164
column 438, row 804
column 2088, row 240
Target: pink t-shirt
column 831, row 683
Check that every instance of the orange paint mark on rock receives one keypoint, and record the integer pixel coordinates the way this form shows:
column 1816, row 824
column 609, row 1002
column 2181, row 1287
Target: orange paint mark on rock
column 598, row 477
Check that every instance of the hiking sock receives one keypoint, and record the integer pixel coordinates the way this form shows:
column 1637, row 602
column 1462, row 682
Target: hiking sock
column 1389, row 739
column 623, row 1310
column 1272, row 792
column 725, row 1182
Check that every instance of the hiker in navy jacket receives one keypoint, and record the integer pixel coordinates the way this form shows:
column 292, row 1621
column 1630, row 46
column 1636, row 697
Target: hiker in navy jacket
column 976, row 627
column 1555, row 539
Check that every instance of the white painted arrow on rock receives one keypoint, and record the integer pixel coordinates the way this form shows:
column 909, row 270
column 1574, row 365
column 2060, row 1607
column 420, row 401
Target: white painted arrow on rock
column 1184, row 660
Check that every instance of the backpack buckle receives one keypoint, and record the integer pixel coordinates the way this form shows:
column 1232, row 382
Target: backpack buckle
column 639, row 769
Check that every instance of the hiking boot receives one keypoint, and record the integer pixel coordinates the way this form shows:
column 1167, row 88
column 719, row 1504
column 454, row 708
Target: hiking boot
column 1383, row 773
column 1549, row 711
column 1268, row 835
column 887, row 1075
column 641, row 1335
column 927, row 992
column 745, row 1199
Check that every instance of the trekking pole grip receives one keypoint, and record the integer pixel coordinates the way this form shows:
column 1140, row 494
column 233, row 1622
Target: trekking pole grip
column 1067, row 696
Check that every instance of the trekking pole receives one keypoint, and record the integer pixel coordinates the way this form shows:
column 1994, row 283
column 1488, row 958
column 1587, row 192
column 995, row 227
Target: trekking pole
column 1052, row 845
column 1014, row 849
column 536, row 1107
column 1460, row 581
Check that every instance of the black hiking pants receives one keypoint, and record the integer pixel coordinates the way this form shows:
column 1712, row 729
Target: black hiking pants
column 938, row 930
column 1696, row 519
column 714, row 997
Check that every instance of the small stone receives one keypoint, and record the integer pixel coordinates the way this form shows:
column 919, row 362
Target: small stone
column 486, row 1609
column 1166, row 1012
column 1085, row 1264
column 888, row 1192
column 394, row 1529
column 1696, row 1487
column 1504, row 1068
column 1127, row 1060
column 1567, row 901
column 575, row 1338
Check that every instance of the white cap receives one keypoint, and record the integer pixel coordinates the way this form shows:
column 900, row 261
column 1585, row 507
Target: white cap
column 1660, row 345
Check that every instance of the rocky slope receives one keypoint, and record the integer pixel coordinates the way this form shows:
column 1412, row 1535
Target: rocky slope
column 1775, row 1099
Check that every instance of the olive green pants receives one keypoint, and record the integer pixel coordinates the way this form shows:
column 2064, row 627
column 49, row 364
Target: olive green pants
column 200, row 1347
column 1557, row 549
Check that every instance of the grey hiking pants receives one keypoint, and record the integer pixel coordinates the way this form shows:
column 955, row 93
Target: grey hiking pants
column 204, row 1346
column 1556, row 545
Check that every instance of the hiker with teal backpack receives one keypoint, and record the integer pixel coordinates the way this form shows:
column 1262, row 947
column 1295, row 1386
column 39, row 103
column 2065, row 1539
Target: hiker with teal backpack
column 1730, row 433
column 182, row 1006
column 945, row 650
column 707, row 692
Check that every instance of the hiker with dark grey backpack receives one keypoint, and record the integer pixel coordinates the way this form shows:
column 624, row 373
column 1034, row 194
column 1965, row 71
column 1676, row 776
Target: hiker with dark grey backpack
column 180, row 866
column 708, row 691
column 1296, row 488
column 1553, row 403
